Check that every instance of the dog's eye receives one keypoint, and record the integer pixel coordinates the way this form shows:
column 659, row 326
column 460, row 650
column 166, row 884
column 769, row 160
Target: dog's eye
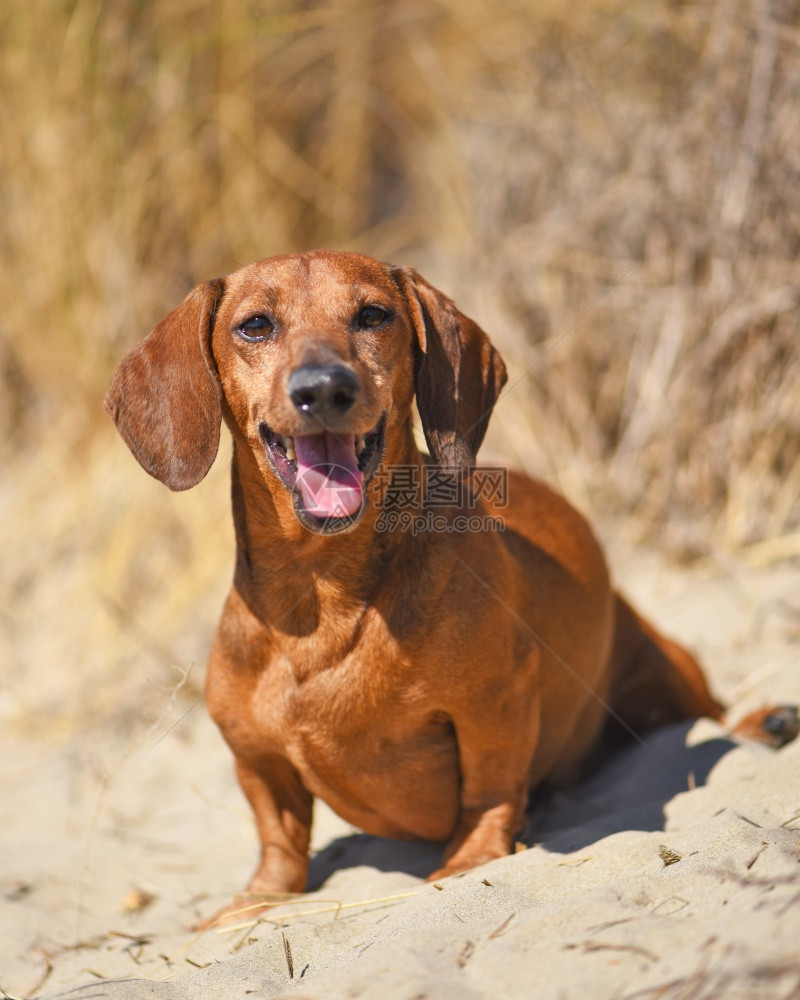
column 371, row 317
column 256, row 328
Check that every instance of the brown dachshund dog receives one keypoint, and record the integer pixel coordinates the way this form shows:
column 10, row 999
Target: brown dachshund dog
column 419, row 677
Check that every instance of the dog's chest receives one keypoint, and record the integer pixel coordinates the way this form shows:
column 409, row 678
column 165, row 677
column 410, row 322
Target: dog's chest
column 365, row 736
column 361, row 698
column 356, row 711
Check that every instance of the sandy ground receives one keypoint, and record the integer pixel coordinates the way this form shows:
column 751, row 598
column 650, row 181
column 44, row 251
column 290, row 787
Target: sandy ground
column 674, row 872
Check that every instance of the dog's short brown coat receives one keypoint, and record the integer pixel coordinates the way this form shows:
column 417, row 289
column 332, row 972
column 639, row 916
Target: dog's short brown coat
column 421, row 684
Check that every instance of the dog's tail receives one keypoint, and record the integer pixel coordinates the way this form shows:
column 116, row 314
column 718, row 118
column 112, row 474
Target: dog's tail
column 656, row 681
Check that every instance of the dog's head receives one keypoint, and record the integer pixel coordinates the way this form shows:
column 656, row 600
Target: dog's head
column 313, row 360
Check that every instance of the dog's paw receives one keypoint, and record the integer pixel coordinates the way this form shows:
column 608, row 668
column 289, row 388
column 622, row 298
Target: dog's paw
column 459, row 865
column 776, row 725
column 445, row 872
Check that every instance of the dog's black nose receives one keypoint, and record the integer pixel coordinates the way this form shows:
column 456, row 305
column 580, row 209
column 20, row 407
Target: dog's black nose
column 318, row 390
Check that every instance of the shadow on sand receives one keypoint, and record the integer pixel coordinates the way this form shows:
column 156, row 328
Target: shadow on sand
column 628, row 792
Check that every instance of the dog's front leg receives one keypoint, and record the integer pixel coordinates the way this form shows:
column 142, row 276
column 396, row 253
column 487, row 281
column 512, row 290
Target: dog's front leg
column 283, row 809
column 494, row 759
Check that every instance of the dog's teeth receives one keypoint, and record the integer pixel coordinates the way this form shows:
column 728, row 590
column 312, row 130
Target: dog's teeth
column 288, row 444
column 361, row 443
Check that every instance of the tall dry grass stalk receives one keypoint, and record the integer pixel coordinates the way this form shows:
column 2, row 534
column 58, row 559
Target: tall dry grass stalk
column 612, row 191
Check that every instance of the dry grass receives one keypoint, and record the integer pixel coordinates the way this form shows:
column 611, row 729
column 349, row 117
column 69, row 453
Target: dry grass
column 613, row 192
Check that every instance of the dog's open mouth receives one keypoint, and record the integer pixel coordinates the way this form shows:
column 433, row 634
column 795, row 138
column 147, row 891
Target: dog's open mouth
column 327, row 473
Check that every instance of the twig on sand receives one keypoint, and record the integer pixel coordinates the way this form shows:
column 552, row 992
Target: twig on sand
column 499, row 931
column 277, row 921
column 288, row 953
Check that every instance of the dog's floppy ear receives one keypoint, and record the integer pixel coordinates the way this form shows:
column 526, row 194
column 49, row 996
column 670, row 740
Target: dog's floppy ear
column 165, row 397
column 458, row 375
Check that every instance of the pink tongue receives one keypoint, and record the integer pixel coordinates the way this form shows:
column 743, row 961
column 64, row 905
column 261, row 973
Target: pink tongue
column 328, row 476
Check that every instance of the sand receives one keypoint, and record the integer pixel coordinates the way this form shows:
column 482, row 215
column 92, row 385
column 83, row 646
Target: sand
column 674, row 872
